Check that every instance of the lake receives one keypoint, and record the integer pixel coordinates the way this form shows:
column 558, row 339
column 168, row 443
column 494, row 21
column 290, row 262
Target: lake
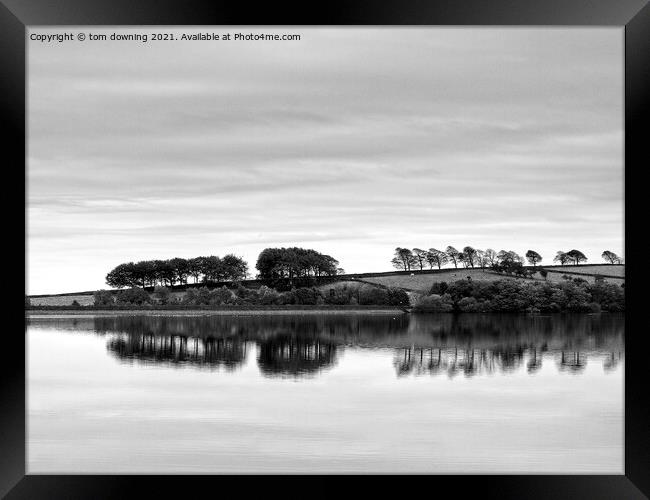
column 318, row 393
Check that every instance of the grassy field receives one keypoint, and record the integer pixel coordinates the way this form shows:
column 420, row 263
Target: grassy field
column 423, row 282
column 557, row 278
column 62, row 300
column 613, row 270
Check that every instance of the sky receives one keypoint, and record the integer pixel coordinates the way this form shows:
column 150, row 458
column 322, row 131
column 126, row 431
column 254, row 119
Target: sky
column 351, row 141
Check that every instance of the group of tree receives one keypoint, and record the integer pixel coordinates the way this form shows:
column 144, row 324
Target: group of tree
column 469, row 257
column 509, row 262
column 575, row 257
column 572, row 295
column 291, row 264
column 177, row 271
column 408, row 259
column 571, row 257
column 354, row 294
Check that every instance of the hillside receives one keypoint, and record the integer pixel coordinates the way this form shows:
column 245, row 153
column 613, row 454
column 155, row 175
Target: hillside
column 422, row 282
column 417, row 281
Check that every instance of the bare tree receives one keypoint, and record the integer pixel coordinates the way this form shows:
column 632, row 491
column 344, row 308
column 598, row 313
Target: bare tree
column 480, row 258
column 491, row 257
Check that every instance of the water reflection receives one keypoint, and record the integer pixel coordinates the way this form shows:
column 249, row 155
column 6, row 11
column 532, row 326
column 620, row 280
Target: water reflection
column 470, row 362
column 291, row 355
column 572, row 361
column 179, row 350
column 305, row 345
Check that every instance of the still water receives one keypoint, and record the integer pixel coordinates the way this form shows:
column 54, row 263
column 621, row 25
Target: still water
column 325, row 393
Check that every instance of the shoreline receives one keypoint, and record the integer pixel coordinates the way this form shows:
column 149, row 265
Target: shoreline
column 273, row 312
column 207, row 312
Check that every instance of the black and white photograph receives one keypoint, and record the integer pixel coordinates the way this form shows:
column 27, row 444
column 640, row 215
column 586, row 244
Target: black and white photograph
column 325, row 250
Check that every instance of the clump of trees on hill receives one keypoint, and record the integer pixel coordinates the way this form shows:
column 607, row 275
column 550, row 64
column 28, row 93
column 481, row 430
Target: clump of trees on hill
column 407, row 259
column 172, row 271
column 470, row 257
column 288, row 266
column 510, row 262
column 570, row 257
column 284, row 267
column 573, row 295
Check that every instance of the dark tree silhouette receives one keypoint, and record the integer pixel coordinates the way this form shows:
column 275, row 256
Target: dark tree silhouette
column 122, row 276
column 509, row 256
column 533, row 257
column 403, row 258
column 290, row 263
column 436, row 257
column 561, row 257
column 576, row 256
column 453, row 254
column 196, row 267
column 420, row 257
column 234, row 268
column 177, row 270
column 181, row 269
column 470, row 255
column 611, row 257
column 509, row 262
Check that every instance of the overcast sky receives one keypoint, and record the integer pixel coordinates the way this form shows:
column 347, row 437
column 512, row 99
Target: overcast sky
column 350, row 141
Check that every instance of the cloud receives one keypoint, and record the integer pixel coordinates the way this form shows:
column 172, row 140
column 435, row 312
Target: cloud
column 353, row 140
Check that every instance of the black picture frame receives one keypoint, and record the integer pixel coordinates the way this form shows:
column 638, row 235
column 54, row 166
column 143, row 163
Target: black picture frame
column 631, row 15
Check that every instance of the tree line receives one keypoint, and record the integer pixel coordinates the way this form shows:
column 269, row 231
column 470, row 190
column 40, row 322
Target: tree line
column 177, row 270
column 287, row 267
column 292, row 265
column 410, row 259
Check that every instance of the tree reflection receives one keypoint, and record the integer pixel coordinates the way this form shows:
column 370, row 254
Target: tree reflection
column 469, row 362
column 179, row 350
column 611, row 363
column 572, row 361
column 291, row 355
column 305, row 345
column 535, row 362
